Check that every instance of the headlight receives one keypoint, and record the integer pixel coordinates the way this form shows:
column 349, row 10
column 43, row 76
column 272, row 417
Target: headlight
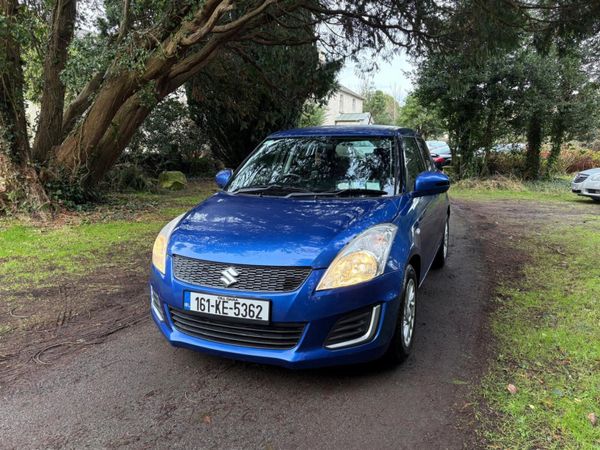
column 159, row 251
column 362, row 259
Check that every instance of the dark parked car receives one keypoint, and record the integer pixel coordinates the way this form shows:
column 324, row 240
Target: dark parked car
column 440, row 152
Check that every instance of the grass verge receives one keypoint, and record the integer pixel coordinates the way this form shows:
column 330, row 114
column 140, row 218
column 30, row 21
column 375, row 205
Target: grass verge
column 77, row 244
column 503, row 188
column 548, row 336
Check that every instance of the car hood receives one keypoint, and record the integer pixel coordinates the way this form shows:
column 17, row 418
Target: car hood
column 279, row 231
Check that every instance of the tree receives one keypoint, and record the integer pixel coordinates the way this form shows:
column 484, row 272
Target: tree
column 269, row 93
column 576, row 111
column 525, row 83
column 169, row 139
column 313, row 115
column 428, row 121
column 383, row 107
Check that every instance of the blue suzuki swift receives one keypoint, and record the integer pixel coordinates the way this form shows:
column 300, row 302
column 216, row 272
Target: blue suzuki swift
column 312, row 252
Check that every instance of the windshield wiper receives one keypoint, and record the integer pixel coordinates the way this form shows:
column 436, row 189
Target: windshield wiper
column 359, row 192
column 341, row 193
column 260, row 190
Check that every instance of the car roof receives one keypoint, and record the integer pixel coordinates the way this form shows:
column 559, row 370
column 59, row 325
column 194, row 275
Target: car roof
column 344, row 131
column 593, row 171
column 437, row 144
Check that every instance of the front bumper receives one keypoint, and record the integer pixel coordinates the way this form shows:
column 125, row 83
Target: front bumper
column 587, row 188
column 318, row 310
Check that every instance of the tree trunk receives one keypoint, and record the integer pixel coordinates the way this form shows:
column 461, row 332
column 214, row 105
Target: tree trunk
column 129, row 118
column 13, row 124
column 534, row 144
column 52, row 104
column 558, row 134
column 488, row 141
column 78, row 149
column 19, row 183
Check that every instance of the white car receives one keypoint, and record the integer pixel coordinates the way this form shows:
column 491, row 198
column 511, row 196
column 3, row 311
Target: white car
column 587, row 183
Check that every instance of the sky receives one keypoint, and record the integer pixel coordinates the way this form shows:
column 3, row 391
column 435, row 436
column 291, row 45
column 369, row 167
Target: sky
column 392, row 76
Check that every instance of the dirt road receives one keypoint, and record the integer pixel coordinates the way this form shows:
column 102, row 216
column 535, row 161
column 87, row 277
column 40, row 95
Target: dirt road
column 135, row 390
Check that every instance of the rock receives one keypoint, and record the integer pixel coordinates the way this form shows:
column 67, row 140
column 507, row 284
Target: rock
column 593, row 419
column 174, row 180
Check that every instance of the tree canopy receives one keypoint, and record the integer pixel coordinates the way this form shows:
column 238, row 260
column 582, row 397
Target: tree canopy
column 271, row 86
column 382, row 106
column 99, row 69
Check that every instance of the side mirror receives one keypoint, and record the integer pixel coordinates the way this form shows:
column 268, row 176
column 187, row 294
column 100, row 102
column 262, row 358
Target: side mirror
column 431, row 183
column 222, row 177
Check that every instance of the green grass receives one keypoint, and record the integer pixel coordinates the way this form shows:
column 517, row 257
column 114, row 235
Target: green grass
column 548, row 337
column 558, row 189
column 112, row 234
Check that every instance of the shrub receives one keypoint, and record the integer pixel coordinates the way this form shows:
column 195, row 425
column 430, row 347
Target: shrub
column 201, row 167
column 575, row 159
column 507, row 164
column 493, row 183
column 129, row 177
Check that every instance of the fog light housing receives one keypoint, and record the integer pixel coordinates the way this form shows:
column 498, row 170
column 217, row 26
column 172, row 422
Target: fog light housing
column 156, row 305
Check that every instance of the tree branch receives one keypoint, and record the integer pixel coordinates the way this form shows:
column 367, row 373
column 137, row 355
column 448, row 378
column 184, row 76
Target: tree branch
column 125, row 21
column 81, row 103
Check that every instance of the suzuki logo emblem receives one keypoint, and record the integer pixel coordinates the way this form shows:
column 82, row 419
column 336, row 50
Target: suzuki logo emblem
column 229, row 276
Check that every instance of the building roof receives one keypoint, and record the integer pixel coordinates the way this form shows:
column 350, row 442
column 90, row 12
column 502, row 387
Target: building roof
column 350, row 92
column 346, row 130
column 353, row 117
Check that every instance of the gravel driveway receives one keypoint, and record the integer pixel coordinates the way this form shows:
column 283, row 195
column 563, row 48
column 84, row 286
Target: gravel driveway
column 135, row 390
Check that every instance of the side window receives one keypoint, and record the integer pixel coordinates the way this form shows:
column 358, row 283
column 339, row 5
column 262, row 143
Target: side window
column 426, row 155
column 413, row 161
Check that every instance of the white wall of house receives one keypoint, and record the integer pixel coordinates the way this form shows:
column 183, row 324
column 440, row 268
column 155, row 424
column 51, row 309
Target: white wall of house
column 344, row 101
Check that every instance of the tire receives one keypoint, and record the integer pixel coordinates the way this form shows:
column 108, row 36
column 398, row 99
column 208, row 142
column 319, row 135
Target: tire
column 597, row 200
column 401, row 345
column 440, row 257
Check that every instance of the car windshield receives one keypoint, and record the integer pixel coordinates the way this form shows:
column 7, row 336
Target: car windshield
column 299, row 166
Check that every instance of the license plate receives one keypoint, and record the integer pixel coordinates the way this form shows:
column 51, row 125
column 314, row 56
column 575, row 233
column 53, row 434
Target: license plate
column 219, row 305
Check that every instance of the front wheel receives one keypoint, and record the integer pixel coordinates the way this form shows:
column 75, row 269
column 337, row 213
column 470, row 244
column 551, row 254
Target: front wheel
column 440, row 258
column 402, row 341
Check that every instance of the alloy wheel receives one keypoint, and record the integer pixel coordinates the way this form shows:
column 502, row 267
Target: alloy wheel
column 446, row 236
column 408, row 324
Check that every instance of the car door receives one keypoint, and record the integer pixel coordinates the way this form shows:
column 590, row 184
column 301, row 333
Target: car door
column 425, row 225
column 439, row 205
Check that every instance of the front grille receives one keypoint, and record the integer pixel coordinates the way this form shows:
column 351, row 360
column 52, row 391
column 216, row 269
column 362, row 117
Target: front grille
column 593, row 191
column 251, row 278
column 274, row 336
column 581, row 177
column 349, row 327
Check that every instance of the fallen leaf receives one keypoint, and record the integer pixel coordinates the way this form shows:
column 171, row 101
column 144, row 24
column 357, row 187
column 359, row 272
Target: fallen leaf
column 593, row 419
column 512, row 389
column 531, row 407
column 207, row 420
